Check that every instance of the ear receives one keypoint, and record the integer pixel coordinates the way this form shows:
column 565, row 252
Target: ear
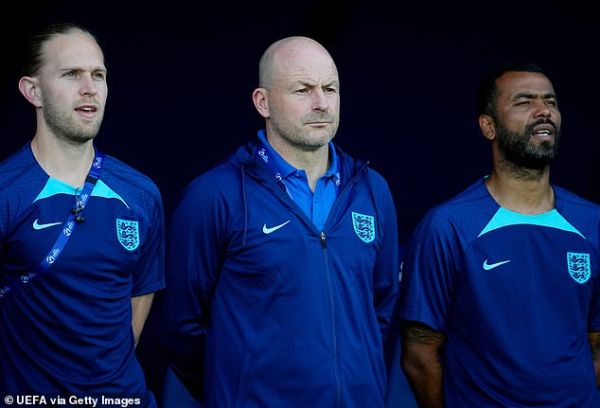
column 486, row 124
column 29, row 88
column 260, row 99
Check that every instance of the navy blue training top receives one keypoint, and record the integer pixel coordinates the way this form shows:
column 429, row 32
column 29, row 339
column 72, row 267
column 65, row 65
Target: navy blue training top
column 68, row 331
column 515, row 295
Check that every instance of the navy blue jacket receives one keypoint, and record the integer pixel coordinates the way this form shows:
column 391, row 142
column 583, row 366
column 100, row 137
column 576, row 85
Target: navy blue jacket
column 278, row 313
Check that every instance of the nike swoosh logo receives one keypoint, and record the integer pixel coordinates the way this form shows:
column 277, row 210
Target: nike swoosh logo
column 268, row 230
column 488, row 266
column 37, row 226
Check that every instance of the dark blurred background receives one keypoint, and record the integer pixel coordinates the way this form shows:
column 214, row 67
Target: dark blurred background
column 181, row 75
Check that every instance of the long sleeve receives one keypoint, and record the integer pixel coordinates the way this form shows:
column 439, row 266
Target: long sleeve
column 195, row 250
column 387, row 267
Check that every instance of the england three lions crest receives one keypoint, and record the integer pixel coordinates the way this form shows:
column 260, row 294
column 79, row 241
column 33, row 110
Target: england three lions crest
column 364, row 226
column 579, row 266
column 128, row 233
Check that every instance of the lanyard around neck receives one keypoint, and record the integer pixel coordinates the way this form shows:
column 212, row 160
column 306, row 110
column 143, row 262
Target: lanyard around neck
column 262, row 152
column 74, row 218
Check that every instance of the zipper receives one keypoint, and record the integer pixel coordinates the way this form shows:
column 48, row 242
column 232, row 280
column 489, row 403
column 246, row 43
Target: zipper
column 323, row 239
column 338, row 384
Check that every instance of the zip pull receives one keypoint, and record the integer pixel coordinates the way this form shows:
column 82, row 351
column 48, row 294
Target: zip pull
column 323, row 240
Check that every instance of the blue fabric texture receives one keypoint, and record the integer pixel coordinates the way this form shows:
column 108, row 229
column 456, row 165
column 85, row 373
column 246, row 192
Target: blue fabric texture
column 69, row 331
column 264, row 308
column 515, row 296
column 316, row 205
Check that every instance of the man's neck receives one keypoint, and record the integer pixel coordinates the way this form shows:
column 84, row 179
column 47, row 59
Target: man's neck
column 66, row 161
column 314, row 162
column 522, row 192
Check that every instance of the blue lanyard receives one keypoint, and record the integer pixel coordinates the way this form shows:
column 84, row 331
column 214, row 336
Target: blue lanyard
column 262, row 152
column 74, row 218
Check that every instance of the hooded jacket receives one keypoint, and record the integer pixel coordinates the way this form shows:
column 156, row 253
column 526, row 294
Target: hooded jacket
column 272, row 311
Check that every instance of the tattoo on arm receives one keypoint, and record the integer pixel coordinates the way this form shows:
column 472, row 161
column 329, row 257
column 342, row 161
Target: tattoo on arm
column 415, row 332
column 421, row 363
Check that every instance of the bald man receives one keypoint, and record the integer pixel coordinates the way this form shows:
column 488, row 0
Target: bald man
column 283, row 262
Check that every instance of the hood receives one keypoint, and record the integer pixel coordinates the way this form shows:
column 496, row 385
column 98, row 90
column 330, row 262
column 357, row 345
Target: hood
column 246, row 157
column 247, row 161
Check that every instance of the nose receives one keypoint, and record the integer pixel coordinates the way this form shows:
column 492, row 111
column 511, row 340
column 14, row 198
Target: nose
column 320, row 102
column 88, row 86
column 542, row 109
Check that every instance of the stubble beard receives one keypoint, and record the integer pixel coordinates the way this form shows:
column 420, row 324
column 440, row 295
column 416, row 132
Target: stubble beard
column 64, row 127
column 299, row 137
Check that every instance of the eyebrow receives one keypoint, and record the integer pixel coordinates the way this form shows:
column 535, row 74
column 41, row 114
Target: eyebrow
column 529, row 95
column 334, row 82
column 81, row 69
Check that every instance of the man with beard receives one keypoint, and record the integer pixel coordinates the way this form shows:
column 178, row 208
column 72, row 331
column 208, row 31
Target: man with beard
column 82, row 239
column 501, row 293
column 283, row 261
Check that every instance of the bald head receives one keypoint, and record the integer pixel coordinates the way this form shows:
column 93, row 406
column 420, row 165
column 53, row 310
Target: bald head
column 292, row 50
column 299, row 97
